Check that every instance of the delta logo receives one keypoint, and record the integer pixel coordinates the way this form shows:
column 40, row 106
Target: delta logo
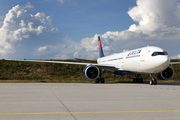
column 134, row 52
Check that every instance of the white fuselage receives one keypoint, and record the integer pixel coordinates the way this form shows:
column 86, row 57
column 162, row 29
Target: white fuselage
column 140, row 60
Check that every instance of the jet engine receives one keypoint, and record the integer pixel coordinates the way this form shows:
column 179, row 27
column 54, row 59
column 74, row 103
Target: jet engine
column 167, row 74
column 91, row 72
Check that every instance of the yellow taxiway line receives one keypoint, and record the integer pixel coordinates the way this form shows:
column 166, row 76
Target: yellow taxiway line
column 51, row 113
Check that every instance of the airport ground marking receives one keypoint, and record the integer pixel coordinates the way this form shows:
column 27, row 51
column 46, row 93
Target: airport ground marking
column 105, row 112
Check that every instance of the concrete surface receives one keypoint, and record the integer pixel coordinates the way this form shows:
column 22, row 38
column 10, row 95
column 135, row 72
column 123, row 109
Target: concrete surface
column 87, row 101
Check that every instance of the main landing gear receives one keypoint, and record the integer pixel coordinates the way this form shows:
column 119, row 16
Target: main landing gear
column 100, row 80
column 153, row 81
column 138, row 79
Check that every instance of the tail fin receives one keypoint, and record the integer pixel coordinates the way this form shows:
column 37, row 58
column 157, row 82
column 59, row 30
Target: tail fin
column 101, row 54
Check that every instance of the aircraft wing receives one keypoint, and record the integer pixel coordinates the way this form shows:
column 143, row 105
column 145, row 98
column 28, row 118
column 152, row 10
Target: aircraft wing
column 101, row 66
column 174, row 63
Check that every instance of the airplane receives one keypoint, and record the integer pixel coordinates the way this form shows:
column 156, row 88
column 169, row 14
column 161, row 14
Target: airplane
column 150, row 60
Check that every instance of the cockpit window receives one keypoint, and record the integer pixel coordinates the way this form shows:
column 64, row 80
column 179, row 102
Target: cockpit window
column 159, row 53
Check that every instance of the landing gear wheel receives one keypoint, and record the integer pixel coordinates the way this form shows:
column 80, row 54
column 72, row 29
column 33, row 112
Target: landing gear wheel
column 134, row 80
column 102, row 80
column 155, row 82
column 141, row 80
column 97, row 80
column 151, row 82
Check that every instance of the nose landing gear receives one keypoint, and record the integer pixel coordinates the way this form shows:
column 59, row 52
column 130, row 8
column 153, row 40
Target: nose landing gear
column 153, row 81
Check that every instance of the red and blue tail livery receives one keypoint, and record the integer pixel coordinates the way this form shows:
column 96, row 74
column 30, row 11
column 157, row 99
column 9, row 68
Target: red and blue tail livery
column 101, row 54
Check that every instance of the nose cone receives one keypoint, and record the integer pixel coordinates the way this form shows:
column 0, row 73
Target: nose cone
column 163, row 62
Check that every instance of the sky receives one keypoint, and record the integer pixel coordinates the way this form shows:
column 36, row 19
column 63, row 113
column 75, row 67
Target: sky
column 67, row 29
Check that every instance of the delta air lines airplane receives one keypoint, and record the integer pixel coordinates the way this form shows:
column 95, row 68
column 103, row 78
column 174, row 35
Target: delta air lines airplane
column 150, row 60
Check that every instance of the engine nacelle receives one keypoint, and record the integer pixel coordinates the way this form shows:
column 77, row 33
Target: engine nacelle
column 91, row 72
column 167, row 74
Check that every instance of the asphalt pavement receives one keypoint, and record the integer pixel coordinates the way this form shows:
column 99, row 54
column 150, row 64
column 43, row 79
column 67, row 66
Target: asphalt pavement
column 89, row 101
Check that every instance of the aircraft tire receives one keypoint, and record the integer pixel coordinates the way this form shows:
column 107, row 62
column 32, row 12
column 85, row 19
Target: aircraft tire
column 97, row 80
column 151, row 82
column 102, row 80
column 155, row 82
column 141, row 80
column 133, row 80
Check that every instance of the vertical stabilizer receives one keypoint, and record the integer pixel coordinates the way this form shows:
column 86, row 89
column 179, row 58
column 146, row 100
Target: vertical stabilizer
column 101, row 54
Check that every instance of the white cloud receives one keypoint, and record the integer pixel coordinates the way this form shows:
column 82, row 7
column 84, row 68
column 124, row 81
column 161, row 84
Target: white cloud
column 42, row 49
column 70, row 1
column 24, row 35
column 154, row 15
column 125, row 50
column 62, row 1
column 157, row 22
column 175, row 57
column 59, row 51
column 18, row 25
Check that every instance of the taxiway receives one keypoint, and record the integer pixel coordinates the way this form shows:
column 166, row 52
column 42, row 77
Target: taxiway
column 89, row 101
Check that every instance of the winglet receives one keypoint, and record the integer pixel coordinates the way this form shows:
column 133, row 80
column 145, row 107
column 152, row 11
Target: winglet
column 101, row 54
